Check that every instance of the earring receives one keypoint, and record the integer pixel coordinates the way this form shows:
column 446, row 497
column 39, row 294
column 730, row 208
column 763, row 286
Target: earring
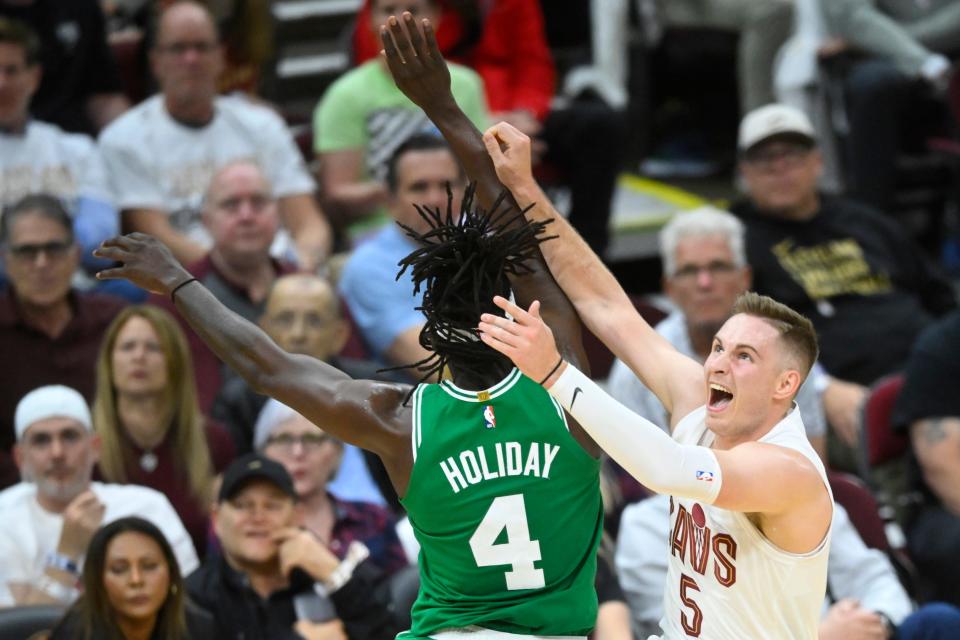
column 173, row 589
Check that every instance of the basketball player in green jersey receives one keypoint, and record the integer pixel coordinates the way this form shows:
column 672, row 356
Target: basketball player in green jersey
column 500, row 485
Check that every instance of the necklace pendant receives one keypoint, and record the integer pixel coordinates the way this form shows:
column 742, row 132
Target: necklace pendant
column 148, row 461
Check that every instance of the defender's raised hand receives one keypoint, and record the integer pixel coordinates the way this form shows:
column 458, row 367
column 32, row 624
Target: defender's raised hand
column 415, row 62
column 146, row 262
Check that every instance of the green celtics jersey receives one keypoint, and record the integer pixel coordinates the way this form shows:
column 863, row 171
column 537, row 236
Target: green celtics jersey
column 506, row 506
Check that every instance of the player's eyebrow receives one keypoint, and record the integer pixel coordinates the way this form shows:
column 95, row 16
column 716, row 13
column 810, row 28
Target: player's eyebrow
column 740, row 345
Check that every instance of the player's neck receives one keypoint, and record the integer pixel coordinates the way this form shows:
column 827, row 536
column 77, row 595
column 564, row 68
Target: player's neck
column 493, row 374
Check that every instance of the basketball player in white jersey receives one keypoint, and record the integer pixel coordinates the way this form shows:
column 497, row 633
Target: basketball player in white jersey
column 750, row 504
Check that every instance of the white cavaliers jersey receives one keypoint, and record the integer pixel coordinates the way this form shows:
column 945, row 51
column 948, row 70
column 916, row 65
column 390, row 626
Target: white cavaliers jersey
column 726, row 581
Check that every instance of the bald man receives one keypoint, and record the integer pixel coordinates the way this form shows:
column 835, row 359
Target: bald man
column 241, row 217
column 162, row 154
column 302, row 315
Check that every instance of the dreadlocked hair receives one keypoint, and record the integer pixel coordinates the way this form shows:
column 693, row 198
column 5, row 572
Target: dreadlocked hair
column 460, row 264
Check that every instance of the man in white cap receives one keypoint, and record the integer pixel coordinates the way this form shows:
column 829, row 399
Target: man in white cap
column 854, row 272
column 51, row 516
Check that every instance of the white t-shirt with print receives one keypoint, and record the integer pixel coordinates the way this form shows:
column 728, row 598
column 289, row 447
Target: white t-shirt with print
column 46, row 159
column 156, row 162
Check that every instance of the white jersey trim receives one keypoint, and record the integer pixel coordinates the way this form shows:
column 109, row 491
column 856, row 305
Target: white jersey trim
column 561, row 413
column 474, row 396
column 416, row 434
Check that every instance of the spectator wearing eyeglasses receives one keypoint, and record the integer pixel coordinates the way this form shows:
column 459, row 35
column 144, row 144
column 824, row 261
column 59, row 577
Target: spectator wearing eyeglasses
column 312, row 457
column 162, row 154
column 242, row 218
column 705, row 271
column 50, row 331
column 866, row 287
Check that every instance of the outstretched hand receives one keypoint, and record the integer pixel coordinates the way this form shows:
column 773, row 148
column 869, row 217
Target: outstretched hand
column 145, row 261
column 526, row 340
column 510, row 150
column 415, row 62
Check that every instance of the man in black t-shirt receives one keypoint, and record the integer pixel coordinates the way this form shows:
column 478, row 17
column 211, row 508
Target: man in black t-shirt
column 854, row 272
column 928, row 409
column 80, row 90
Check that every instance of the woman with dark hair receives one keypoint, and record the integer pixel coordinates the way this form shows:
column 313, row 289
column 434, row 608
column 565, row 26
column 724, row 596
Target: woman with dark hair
column 146, row 413
column 132, row 590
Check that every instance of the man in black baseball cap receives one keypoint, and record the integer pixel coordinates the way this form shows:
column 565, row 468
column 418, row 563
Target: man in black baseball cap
column 254, row 467
column 274, row 579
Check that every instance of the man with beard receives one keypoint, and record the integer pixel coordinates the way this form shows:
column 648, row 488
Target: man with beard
column 51, row 515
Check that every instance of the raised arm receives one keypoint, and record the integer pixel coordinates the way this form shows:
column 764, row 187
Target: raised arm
column 599, row 299
column 420, row 71
column 361, row 412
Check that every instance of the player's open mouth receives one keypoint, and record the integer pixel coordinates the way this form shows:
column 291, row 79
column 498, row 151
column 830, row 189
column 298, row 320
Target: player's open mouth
column 720, row 397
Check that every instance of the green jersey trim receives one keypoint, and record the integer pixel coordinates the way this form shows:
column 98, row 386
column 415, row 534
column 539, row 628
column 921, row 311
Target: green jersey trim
column 487, row 394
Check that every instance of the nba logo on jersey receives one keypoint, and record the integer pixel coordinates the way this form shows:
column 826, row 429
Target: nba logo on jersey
column 706, row 476
column 488, row 417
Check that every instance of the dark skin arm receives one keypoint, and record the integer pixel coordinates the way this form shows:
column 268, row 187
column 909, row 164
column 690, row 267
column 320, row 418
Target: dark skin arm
column 367, row 414
column 419, row 70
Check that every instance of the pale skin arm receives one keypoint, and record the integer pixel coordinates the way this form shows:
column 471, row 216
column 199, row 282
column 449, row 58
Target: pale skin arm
column 157, row 224
column 406, row 348
column 613, row 621
column 777, row 484
column 847, row 620
column 309, row 228
column 600, row 301
column 936, row 443
column 343, row 187
column 842, row 403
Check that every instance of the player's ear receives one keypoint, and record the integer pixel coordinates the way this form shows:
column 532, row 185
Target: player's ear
column 788, row 382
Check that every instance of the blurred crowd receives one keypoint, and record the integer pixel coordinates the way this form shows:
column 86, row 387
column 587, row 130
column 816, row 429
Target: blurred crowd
column 132, row 461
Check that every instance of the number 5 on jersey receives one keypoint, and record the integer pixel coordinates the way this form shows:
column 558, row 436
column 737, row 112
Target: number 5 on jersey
column 519, row 551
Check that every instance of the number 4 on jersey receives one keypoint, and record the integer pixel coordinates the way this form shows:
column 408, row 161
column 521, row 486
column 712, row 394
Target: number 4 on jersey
column 519, row 551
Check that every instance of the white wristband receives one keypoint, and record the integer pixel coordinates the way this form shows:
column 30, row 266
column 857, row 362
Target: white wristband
column 357, row 552
column 57, row 590
column 639, row 446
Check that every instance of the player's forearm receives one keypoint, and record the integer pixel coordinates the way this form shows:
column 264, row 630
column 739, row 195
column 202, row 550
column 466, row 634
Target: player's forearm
column 468, row 146
column 242, row 345
column 584, row 279
column 639, row 446
column 466, row 141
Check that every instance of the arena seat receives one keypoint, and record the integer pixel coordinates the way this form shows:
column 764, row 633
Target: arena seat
column 17, row 623
column 879, row 442
column 875, row 524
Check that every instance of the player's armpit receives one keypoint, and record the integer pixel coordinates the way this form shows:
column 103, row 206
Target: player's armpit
column 781, row 487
